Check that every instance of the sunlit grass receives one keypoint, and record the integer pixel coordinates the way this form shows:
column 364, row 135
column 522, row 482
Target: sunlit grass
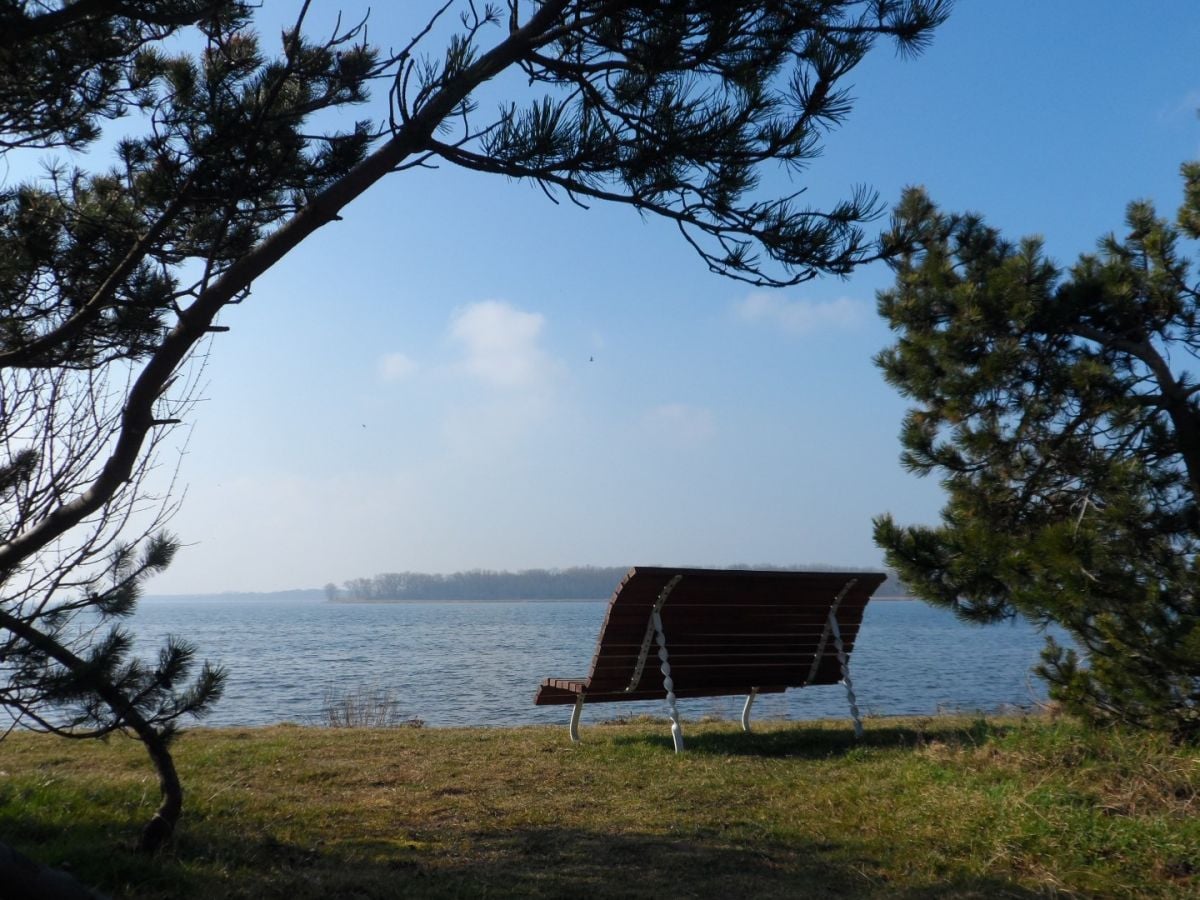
column 931, row 807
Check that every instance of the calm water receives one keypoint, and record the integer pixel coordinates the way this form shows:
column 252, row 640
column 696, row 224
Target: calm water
column 480, row 663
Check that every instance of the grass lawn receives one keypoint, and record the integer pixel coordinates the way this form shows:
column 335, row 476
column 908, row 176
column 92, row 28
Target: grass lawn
column 943, row 807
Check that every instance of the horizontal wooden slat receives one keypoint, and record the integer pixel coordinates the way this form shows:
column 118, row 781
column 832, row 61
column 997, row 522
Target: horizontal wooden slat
column 684, row 661
column 715, row 643
column 677, row 624
column 674, row 617
column 735, row 640
column 616, row 696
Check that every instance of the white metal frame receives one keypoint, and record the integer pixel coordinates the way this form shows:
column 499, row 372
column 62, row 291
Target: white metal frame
column 746, row 709
column 575, row 718
column 668, row 682
column 651, row 630
column 844, row 662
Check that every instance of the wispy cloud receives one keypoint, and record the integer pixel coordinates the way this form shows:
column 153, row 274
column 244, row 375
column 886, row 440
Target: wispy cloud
column 396, row 367
column 501, row 345
column 681, row 423
column 500, row 348
column 801, row 316
column 1186, row 107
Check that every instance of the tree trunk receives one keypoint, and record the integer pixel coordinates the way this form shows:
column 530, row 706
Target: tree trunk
column 159, row 828
column 162, row 825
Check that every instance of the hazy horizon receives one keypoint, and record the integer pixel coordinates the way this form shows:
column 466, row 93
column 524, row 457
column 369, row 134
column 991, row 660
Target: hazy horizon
column 605, row 578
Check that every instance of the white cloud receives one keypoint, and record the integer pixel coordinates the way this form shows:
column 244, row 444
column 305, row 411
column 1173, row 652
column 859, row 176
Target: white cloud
column 802, row 316
column 680, row 423
column 396, row 366
column 501, row 344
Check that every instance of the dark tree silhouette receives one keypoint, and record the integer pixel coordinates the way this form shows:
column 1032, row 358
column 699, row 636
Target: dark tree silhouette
column 1060, row 410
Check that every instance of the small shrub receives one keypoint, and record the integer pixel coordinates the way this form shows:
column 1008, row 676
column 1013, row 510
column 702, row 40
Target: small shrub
column 365, row 706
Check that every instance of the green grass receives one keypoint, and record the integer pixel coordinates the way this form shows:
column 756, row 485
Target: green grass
column 943, row 807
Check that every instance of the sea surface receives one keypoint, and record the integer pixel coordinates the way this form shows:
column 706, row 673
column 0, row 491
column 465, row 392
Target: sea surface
column 479, row 663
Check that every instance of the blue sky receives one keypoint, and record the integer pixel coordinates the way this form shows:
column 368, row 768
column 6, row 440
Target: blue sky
column 461, row 374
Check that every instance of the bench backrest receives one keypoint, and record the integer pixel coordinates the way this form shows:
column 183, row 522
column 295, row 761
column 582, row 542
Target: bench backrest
column 727, row 630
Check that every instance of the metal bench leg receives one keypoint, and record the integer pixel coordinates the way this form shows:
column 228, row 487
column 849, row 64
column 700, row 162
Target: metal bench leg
column 746, row 709
column 844, row 662
column 668, row 683
column 575, row 718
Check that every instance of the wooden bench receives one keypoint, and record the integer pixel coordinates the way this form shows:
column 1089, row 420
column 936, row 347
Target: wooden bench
column 674, row 633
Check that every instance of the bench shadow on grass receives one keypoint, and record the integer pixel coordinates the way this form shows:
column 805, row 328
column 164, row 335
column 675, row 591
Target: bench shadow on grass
column 566, row 862
column 784, row 739
column 544, row 862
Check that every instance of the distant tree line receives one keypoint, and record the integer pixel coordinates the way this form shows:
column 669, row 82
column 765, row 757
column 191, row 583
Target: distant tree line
column 574, row 583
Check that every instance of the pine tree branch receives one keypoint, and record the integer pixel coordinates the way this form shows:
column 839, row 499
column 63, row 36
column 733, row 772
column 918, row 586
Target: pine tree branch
column 685, row 216
column 23, row 28
column 1176, row 398
column 194, row 321
column 34, row 353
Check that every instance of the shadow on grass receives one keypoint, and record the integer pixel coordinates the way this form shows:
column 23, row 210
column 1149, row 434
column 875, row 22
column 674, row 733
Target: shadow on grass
column 557, row 863
column 528, row 862
column 98, row 855
column 816, row 743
